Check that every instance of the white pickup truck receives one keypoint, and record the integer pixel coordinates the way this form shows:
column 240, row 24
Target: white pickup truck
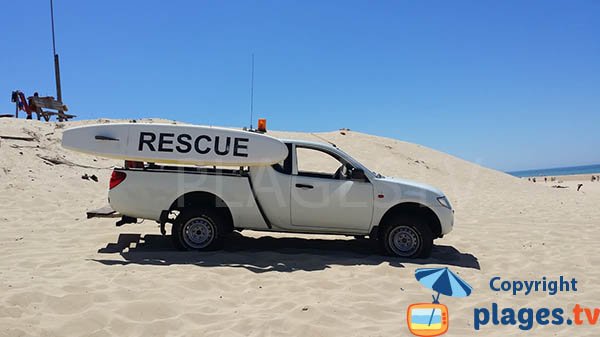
column 317, row 189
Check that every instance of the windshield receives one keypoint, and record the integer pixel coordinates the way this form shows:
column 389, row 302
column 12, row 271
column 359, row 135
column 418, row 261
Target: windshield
column 360, row 165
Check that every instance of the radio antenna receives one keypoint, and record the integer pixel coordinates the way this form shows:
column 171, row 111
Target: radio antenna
column 252, row 94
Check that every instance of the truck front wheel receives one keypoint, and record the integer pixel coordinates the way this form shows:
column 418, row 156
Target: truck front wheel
column 198, row 230
column 407, row 237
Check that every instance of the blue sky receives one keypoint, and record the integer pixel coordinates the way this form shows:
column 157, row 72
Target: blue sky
column 508, row 84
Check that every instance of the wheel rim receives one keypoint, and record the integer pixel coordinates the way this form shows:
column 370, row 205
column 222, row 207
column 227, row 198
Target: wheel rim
column 198, row 232
column 404, row 240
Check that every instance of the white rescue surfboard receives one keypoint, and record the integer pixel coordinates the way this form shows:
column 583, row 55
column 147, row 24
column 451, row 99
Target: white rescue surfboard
column 177, row 144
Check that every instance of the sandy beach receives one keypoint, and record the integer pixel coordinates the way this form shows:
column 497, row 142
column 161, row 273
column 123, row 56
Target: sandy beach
column 570, row 181
column 64, row 275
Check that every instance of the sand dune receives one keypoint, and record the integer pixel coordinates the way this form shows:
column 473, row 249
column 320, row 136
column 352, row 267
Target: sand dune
column 64, row 275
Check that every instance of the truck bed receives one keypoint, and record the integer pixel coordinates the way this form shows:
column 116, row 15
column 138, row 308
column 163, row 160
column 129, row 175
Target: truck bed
column 146, row 192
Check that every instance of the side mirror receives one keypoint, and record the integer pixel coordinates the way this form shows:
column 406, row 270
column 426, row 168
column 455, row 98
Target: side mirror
column 358, row 174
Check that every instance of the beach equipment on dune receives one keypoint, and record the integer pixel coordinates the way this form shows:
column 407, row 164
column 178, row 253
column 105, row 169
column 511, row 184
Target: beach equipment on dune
column 443, row 281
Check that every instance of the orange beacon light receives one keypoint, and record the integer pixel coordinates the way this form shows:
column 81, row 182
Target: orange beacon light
column 427, row 319
column 262, row 125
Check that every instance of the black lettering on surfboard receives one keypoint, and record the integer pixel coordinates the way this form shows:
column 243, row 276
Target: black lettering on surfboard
column 146, row 138
column 184, row 139
column 197, row 144
column 165, row 139
column 202, row 144
column 237, row 146
column 227, row 143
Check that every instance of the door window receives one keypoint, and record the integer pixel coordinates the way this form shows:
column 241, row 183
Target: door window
column 320, row 164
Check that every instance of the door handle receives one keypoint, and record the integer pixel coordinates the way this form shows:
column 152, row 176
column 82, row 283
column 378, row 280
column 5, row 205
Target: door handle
column 304, row 186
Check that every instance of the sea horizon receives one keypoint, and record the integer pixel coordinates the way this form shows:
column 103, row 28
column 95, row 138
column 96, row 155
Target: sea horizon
column 557, row 171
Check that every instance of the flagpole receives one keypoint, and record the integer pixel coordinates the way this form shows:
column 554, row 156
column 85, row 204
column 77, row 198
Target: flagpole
column 56, row 65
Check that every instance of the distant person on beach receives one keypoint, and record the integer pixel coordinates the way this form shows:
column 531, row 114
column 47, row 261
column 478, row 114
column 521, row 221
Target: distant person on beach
column 534, row 180
column 593, row 178
column 545, row 179
column 30, row 101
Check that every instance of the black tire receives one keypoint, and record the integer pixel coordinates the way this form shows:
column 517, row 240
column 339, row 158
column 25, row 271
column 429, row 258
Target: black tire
column 408, row 237
column 201, row 230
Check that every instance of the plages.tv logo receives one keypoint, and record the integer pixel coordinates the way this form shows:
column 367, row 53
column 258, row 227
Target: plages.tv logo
column 432, row 319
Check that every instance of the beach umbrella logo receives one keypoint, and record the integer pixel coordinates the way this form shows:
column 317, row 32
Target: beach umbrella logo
column 431, row 319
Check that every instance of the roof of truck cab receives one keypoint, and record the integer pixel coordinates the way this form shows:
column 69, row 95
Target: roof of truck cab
column 308, row 143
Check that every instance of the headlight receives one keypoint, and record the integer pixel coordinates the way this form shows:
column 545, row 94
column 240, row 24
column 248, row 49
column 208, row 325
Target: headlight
column 444, row 202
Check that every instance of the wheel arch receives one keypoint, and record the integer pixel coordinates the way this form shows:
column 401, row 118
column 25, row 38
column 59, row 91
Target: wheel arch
column 197, row 199
column 414, row 209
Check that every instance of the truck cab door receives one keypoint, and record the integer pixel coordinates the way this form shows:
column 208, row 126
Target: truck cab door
column 324, row 197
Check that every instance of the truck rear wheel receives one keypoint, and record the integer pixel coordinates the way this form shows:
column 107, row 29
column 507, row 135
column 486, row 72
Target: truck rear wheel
column 198, row 230
column 406, row 237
